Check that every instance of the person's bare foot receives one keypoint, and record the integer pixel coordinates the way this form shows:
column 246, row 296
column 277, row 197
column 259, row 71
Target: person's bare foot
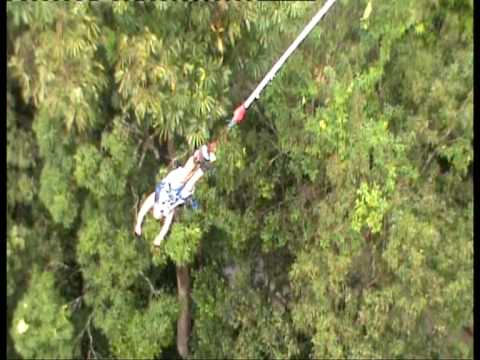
column 138, row 230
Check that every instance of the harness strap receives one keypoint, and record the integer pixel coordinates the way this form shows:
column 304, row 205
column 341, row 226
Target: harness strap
column 158, row 189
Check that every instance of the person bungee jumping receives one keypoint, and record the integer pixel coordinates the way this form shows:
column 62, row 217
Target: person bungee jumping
column 179, row 185
column 175, row 189
column 195, row 167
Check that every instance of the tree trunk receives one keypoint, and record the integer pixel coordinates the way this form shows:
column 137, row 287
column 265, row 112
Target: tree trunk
column 184, row 322
column 184, row 318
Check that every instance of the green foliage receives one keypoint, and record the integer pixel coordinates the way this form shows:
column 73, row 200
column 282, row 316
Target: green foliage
column 224, row 311
column 211, row 312
column 183, row 242
column 61, row 75
column 335, row 223
column 108, row 256
column 41, row 327
column 145, row 332
column 55, row 193
column 370, row 208
column 88, row 160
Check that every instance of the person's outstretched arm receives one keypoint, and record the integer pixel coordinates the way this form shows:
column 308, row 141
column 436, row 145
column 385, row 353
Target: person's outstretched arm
column 166, row 226
column 146, row 206
column 192, row 161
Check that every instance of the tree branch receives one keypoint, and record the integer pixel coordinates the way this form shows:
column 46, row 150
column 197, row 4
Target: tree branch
column 153, row 291
column 91, row 350
column 87, row 324
column 130, row 127
column 434, row 151
column 135, row 195
column 76, row 303
column 88, row 330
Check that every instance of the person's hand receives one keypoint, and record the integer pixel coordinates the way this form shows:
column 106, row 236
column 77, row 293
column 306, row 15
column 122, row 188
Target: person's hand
column 138, row 229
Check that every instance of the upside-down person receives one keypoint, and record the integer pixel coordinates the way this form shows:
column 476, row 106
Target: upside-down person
column 176, row 188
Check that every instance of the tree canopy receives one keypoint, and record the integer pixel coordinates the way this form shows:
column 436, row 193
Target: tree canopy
column 338, row 218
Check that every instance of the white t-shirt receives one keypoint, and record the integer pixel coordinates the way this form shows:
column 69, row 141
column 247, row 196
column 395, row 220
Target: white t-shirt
column 176, row 177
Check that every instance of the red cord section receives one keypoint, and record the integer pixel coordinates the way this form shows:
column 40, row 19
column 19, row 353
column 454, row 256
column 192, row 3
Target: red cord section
column 239, row 114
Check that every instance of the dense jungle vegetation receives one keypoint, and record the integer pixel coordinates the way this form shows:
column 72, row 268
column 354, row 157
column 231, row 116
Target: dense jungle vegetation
column 337, row 221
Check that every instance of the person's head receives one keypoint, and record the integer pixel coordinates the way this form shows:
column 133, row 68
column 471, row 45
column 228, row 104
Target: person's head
column 212, row 147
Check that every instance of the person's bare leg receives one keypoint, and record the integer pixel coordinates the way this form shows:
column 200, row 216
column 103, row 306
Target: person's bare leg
column 190, row 164
column 146, row 206
column 166, row 226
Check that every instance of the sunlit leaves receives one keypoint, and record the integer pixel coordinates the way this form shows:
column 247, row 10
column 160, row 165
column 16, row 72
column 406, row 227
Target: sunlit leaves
column 162, row 80
column 37, row 15
column 57, row 69
column 197, row 138
column 370, row 208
